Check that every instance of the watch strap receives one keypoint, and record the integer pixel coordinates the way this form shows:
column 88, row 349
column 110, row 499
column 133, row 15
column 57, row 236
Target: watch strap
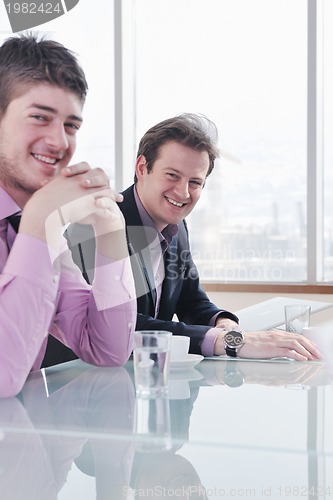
column 231, row 351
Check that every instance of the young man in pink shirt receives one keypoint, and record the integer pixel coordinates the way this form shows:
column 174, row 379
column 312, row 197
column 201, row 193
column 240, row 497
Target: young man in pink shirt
column 42, row 292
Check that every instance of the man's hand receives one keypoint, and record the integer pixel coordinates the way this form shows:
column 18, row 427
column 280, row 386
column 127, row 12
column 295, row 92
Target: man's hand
column 89, row 178
column 271, row 344
column 106, row 218
column 77, row 194
column 226, row 324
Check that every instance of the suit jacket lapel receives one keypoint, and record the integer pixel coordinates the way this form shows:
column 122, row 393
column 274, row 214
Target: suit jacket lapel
column 143, row 278
column 171, row 279
column 138, row 247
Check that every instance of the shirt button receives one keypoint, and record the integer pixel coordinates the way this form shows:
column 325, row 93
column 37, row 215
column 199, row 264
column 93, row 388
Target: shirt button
column 55, row 279
column 117, row 277
column 130, row 325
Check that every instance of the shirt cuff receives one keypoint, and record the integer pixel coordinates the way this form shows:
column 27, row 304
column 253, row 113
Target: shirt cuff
column 208, row 343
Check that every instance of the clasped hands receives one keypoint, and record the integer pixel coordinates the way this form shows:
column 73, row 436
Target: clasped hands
column 268, row 343
column 90, row 196
column 77, row 194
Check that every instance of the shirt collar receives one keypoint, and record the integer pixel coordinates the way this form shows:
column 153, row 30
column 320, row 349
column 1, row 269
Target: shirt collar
column 7, row 205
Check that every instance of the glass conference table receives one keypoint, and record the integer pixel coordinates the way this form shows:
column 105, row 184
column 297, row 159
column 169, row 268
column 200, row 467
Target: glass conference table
column 229, row 429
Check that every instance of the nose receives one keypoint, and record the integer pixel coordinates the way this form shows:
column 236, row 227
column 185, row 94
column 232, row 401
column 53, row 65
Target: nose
column 182, row 189
column 57, row 137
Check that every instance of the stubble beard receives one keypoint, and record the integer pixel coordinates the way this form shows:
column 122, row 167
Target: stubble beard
column 10, row 180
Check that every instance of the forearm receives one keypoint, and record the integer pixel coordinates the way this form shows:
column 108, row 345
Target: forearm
column 97, row 322
column 111, row 237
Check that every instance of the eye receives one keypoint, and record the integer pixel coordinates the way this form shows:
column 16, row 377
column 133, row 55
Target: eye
column 72, row 127
column 197, row 184
column 41, row 118
column 172, row 175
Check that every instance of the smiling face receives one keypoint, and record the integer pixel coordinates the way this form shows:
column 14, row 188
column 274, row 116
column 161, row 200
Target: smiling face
column 37, row 138
column 170, row 191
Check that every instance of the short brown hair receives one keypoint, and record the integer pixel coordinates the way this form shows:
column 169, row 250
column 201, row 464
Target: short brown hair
column 25, row 60
column 192, row 130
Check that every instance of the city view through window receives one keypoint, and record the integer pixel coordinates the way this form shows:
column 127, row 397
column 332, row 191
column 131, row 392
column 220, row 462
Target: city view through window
column 228, row 61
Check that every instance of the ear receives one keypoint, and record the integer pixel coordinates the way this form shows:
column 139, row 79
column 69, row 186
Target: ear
column 140, row 166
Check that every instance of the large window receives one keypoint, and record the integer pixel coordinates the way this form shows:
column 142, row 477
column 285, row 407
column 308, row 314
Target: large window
column 245, row 65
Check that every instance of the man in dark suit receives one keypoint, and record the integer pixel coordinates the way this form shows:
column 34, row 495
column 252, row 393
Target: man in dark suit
column 172, row 290
column 174, row 159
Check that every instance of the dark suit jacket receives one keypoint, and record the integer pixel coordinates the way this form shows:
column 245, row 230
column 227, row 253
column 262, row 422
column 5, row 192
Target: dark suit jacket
column 182, row 293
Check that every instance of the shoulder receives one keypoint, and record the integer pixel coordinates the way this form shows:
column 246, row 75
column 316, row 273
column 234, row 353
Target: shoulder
column 128, row 207
column 129, row 199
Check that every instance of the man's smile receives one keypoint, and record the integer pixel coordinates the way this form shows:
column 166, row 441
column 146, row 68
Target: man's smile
column 175, row 203
column 45, row 159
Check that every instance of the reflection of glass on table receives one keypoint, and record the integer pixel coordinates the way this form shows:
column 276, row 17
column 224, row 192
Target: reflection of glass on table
column 152, row 428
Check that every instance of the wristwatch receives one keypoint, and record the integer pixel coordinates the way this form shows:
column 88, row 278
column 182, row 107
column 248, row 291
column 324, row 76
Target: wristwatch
column 233, row 341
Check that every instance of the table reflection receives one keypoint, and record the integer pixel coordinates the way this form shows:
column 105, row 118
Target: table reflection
column 21, row 455
column 86, row 417
column 89, row 420
column 291, row 374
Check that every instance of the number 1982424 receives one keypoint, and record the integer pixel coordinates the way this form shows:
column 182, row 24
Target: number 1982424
column 305, row 491
column 34, row 8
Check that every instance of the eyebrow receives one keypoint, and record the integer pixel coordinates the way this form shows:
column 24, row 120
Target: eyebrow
column 49, row 109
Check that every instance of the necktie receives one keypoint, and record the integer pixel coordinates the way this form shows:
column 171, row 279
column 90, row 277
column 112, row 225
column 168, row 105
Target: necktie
column 6, row 239
column 14, row 220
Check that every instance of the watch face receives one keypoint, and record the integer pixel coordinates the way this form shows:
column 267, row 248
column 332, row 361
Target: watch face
column 234, row 339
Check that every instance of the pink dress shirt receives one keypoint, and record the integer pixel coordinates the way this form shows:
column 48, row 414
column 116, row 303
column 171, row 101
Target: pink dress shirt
column 36, row 299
